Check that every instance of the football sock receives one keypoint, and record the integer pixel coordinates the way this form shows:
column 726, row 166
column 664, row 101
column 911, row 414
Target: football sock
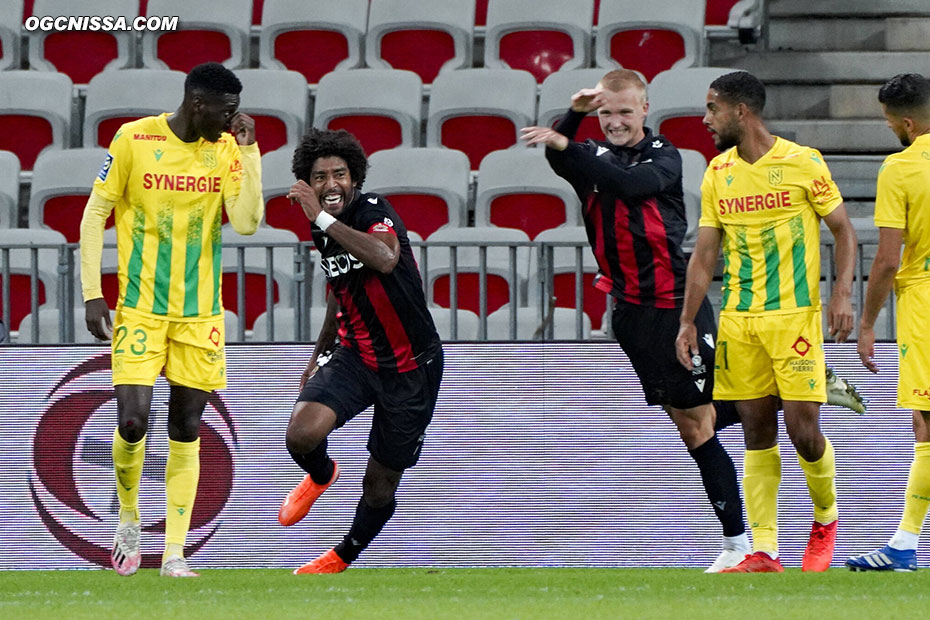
column 917, row 496
column 127, row 465
column 727, row 415
column 719, row 477
column 367, row 524
column 182, row 473
column 904, row 540
column 316, row 463
column 761, row 478
column 821, row 484
column 740, row 542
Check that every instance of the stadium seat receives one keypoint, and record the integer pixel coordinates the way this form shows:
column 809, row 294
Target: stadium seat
column 555, row 97
column 693, row 166
column 717, row 12
column 518, row 189
column 564, row 268
column 506, row 278
column 21, row 270
column 117, row 97
column 255, row 267
column 49, row 329
column 428, row 187
column 207, row 32
column 277, row 180
column 82, row 54
column 649, row 37
column 61, row 183
column 11, row 23
column 9, row 189
column 285, row 325
column 312, row 37
column 277, row 100
column 477, row 111
column 531, row 324
column 539, row 36
column 677, row 105
column 424, row 37
column 35, row 113
column 380, row 107
column 466, row 327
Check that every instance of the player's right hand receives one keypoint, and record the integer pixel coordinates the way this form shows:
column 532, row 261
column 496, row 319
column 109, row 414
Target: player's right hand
column 97, row 317
column 587, row 100
column 686, row 344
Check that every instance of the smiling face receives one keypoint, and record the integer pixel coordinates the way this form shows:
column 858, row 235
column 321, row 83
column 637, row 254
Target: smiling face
column 331, row 180
column 722, row 121
column 212, row 113
column 623, row 115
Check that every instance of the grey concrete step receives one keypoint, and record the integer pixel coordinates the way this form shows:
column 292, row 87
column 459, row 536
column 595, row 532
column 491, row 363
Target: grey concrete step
column 855, row 175
column 797, row 101
column 848, row 8
column 839, row 136
column 828, row 34
column 855, row 101
column 827, row 67
column 907, row 33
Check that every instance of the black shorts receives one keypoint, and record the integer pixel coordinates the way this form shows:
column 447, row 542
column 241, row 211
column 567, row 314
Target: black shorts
column 647, row 336
column 404, row 402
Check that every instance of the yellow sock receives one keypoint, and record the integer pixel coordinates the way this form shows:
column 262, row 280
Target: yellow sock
column 182, row 473
column 761, row 478
column 127, row 465
column 917, row 498
column 821, row 484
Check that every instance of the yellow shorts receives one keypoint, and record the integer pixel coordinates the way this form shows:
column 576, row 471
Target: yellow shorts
column 762, row 355
column 913, row 348
column 192, row 353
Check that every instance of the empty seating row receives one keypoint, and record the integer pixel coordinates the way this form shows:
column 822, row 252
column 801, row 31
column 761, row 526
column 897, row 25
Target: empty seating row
column 314, row 37
column 472, row 110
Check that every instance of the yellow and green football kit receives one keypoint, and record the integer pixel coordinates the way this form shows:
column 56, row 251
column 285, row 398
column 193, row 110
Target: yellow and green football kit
column 168, row 197
column 770, row 317
column 902, row 201
column 770, row 338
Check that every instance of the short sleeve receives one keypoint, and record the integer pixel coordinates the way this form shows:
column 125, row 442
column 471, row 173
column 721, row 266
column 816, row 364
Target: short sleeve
column 890, row 198
column 822, row 192
column 116, row 167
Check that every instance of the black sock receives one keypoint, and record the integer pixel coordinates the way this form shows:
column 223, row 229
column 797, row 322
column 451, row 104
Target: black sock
column 316, row 463
column 367, row 524
column 719, row 477
column 727, row 415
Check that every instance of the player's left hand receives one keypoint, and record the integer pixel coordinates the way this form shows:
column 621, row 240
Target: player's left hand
column 686, row 344
column 865, row 347
column 306, row 197
column 544, row 135
column 839, row 317
column 243, row 127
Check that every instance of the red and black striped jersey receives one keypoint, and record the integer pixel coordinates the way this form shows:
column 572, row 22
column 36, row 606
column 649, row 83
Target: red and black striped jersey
column 381, row 316
column 633, row 211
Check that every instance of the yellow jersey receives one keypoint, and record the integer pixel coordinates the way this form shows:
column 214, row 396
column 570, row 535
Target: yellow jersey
column 770, row 213
column 902, row 200
column 169, row 195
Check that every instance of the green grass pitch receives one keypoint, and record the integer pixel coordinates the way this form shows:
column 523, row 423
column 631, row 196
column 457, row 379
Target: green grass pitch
column 410, row 594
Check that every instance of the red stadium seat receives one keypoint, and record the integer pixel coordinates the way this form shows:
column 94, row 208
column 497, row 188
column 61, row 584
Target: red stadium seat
column 564, row 264
column 423, row 37
column 35, row 113
column 277, row 100
column 717, row 12
column 312, row 37
column 21, row 268
column 478, row 111
column 539, row 36
column 649, row 37
column 61, row 182
column 204, row 34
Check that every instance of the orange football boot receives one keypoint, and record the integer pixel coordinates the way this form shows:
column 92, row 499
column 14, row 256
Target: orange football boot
column 298, row 502
column 329, row 562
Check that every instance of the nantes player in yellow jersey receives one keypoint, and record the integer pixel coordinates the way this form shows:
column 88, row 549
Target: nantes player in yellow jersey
column 902, row 215
column 169, row 177
column 764, row 198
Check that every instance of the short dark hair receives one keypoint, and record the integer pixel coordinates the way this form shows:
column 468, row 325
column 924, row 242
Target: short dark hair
column 212, row 78
column 741, row 87
column 318, row 143
column 906, row 93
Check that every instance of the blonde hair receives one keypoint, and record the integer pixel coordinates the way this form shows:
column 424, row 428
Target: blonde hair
column 620, row 79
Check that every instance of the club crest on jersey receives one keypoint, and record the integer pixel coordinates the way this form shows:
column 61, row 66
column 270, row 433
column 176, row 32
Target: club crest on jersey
column 209, row 158
column 776, row 175
column 105, row 168
column 339, row 264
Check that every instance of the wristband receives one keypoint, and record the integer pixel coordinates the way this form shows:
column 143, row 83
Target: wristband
column 324, row 220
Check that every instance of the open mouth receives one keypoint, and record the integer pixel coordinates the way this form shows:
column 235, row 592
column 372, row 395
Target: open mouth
column 332, row 200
